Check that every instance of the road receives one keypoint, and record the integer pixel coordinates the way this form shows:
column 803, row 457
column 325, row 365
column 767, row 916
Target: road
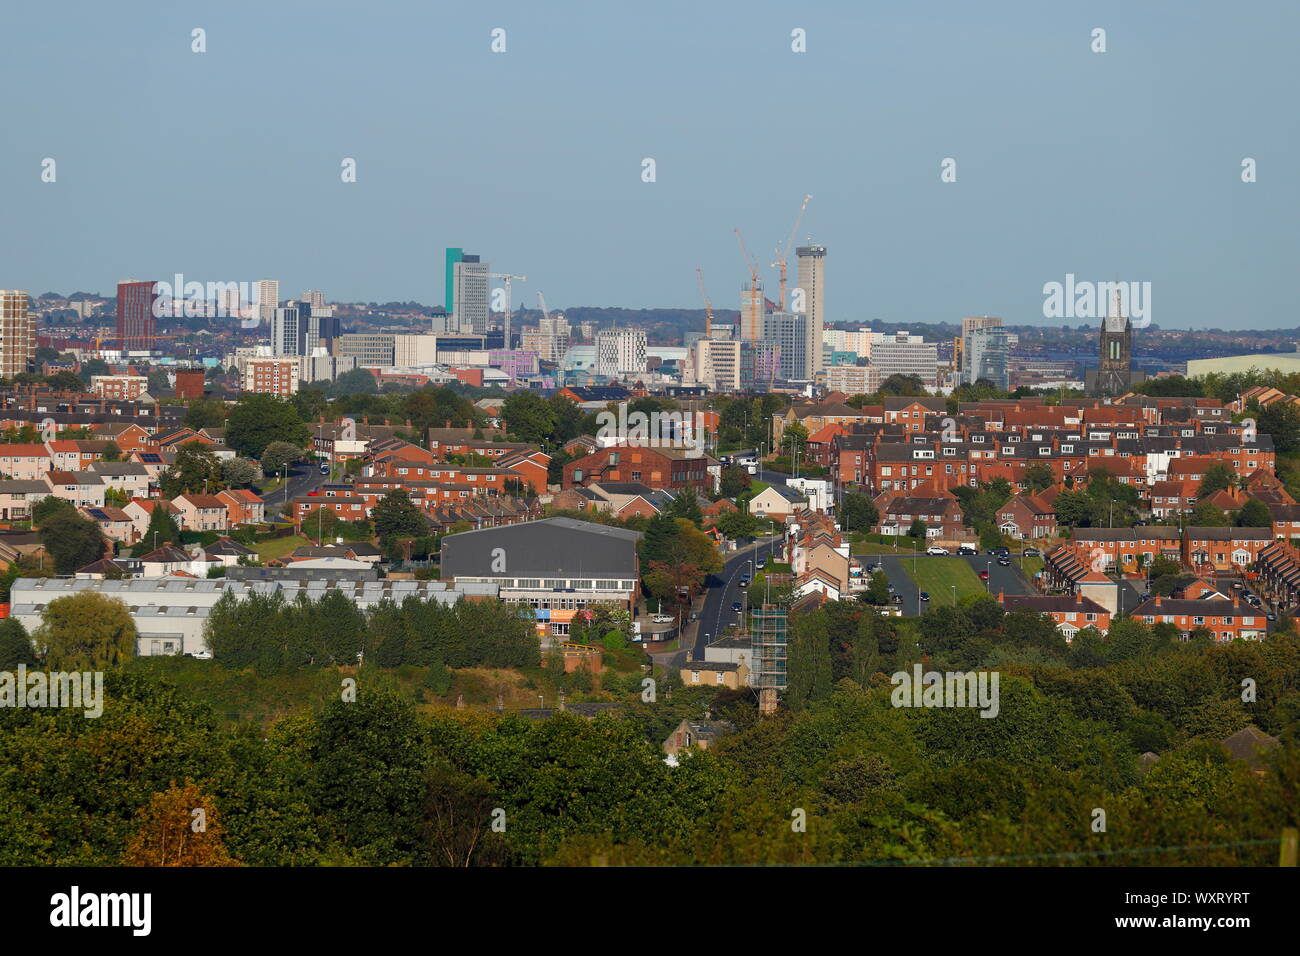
column 1008, row 580
column 303, row 478
column 724, row 589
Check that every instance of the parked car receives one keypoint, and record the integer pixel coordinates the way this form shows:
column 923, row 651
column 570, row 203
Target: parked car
column 662, row 619
column 1031, row 553
column 989, row 551
column 984, row 575
column 925, row 595
column 897, row 599
column 324, row 468
column 1004, row 552
column 935, row 549
column 202, row 655
column 967, row 549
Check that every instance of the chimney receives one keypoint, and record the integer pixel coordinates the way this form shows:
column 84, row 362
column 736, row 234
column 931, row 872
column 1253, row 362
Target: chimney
column 1157, row 600
column 1236, row 600
column 1002, row 597
column 1078, row 597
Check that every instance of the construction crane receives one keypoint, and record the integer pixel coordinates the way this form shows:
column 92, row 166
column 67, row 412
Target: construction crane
column 783, row 254
column 755, row 330
column 708, row 306
column 507, row 277
column 541, row 302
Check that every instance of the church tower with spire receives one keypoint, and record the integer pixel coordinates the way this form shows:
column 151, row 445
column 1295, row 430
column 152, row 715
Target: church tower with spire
column 1114, row 374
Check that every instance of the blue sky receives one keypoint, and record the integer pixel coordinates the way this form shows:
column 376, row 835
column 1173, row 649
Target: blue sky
column 226, row 165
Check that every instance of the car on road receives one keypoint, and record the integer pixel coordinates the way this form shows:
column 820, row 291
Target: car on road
column 935, row 549
column 897, row 599
column 1004, row 562
column 989, row 551
column 744, row 582
column 735, row 606
column 984, row 575
column 662, row 619
column 324, row 469
column 925, row 595
column 891, row 588
column 967, row 549
column 314, row 491
column 1031, row 553
column 1004, row 552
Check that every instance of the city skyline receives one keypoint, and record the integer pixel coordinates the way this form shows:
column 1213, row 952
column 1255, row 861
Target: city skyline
column 1101, row 168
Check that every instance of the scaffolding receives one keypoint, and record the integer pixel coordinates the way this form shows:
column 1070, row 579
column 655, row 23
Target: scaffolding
column 769, row 636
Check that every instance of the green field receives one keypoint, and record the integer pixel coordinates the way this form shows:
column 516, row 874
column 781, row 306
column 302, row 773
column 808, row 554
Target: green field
column 279, row 547
column 1029, row 566
column 939, row 575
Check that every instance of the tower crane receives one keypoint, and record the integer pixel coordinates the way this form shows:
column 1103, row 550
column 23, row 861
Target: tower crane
column 507, row 277
column 708, row 306
column 783, row 254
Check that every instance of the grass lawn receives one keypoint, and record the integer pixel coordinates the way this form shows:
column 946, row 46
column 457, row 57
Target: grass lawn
column 1029, row 566
column 279, row 547
column 938, row 575
column 884, row 544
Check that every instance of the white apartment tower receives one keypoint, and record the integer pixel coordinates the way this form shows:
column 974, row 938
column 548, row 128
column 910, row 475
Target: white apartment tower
column 620, row 352
column 812, row 284
column 268, row 298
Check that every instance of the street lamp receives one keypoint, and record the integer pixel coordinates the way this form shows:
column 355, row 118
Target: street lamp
column 988, row 576
column 954, row 595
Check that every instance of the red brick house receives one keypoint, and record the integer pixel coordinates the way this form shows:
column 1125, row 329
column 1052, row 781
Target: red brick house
column 655, row 467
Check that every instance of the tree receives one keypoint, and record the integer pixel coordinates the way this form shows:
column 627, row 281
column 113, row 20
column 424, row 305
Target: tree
column 65, row 381
column 1254, row 514
column 72, row 541
column 1039, row 477
column 1207, row 515
column 111, row 451
column 686, row 505
column 917, row 529
column 1218, row 477
column 196, row 470
column 736, row 524
column 237, row 473
column 179, row 827
column 48, row 507
column 1281, row 420
column 205, row 413
column 258, row 420
column 162, row 529
column 735, row 481
column 357, row 381
column 809, row 661
column 858, row 512
column 529, row 417
column 15, row 645
column 396, row 516
column 278, row 455
column 86, row 631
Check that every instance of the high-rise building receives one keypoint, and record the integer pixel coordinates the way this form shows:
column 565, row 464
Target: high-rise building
column 901, row 353
column 314, row 298
column 717, row 364
column 136, row 317
column 323, row 330
column 812, row 281
column 969, row 325
column 759, row 362
column 17, row 334
column 753, row 310
column 853, row 379
column 620, row 352
column 550, row 339
column 268, row 298
column 467, row 292
column 789, row 332
column 289, row 329
column 984, row 356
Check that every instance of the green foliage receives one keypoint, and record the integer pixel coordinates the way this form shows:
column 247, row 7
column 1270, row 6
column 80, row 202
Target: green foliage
column 15, row 645
column 396, row 516
column 257, row 420
column 85, row 631
column 72, row 541
column 857, row 512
